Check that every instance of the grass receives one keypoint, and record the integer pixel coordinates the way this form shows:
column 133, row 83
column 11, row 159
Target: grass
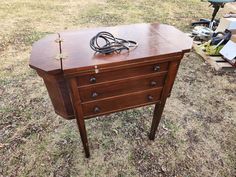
column 196, row 137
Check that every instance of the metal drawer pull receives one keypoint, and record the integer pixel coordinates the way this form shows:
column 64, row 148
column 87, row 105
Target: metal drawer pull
column 156, row 68
column 150, row 98
column 97, row 110
column 92, row 80
column 94, row 95
column 153, row 83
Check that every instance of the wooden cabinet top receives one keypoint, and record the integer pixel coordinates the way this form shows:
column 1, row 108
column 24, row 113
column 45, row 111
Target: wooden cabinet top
column 154, row 40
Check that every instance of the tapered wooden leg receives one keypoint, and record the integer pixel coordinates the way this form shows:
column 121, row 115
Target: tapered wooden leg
column 172, row 71
column 159, row 107
column 83, row 135
column 79, row 114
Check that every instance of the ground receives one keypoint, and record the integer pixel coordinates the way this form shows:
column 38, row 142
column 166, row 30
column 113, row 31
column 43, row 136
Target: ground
column 196, row 136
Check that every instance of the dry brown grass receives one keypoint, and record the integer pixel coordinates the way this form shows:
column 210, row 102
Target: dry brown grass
column 196, row 137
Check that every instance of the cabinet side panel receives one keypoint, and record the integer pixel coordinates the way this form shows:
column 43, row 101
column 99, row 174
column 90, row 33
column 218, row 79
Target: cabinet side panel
column 59, row 94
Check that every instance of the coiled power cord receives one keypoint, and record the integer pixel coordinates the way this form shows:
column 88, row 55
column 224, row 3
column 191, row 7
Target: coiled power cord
column 112, row 44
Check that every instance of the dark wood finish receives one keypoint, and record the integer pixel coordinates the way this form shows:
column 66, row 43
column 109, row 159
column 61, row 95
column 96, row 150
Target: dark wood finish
column 159, row 107
column 118, row 103
column 119, row 87
column 59, row 94
column 79, row 114
column 122, row 73
column 154, row 40
column 88, row 84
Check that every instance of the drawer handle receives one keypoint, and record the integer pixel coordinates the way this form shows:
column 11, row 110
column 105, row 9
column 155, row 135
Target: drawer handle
column 94, row 95
column 153, row 83
column 150, row 98
column 156, row 68
column 92, row 80
column 97, row 110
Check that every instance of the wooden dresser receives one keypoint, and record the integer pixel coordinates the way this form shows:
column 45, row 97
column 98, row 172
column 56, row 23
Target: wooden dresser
column 83, row 84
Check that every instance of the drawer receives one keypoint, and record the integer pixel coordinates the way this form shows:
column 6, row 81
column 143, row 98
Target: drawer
column 119, row 87
column 122, row 73
column 123, row 102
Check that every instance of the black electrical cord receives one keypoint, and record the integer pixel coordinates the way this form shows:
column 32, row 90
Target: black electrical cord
column 112, row 44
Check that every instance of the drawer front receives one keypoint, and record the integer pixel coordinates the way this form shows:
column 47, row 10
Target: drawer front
column 122, row 73
column 123, row 102
column 119, row 87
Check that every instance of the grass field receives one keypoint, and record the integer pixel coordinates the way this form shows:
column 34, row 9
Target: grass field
column 196, row 137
